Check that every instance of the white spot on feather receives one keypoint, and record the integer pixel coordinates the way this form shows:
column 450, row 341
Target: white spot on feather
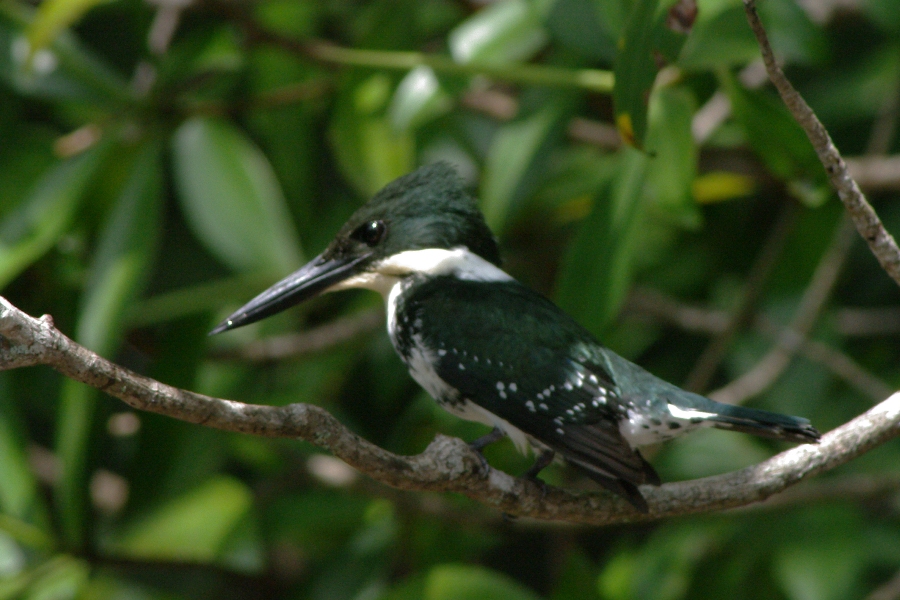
column 639, row 429
column 680, row 413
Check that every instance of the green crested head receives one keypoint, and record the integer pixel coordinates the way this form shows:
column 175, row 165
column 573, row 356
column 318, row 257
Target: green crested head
column 428, row 208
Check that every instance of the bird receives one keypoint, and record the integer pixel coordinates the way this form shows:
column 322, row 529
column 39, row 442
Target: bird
column 491, row 350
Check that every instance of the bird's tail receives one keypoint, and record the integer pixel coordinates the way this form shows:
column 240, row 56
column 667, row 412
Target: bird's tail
column 763, row 423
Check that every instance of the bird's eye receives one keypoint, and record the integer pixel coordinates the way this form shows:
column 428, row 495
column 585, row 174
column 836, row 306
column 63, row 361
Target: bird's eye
column 370, row 233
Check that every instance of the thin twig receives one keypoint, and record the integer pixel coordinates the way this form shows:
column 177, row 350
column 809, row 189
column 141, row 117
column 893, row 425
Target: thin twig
column 865, row 322
column 286, row 95
column 887, row 591
column 594, row 80
column 697, row 320
column 448, row 464
column 876, row 173
column 762, row 268
column 864, row 217
column 837, row 362
column 770, row 367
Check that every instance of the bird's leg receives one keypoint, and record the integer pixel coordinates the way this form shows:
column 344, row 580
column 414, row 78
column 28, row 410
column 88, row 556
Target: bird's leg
column 543, row 460
column 495, row 435
column 479, row 445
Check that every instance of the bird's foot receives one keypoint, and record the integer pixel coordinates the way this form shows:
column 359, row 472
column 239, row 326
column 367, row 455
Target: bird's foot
column 543, row 460
column 479, row 445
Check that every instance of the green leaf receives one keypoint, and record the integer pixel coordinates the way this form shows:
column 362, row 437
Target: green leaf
column 635, row 71
column 500, row 33
column 673, row 154
column 598, row 267
column 885, row 13
column 418, row 99
column 369, row 150
column 468, row 582
column 117, row 273
column 577, row 577
column 124, row 255
column 773, row 133
column 59, row 578
column 195, row 526
column 583, row 26
column 647, row 43
column 829, row 569
column 63, row 70
column 232, row 199
column 23, row 163
column 719, row 39
column 708, row 452
column 38, row 222
column 722, row 38
column 53, row 16
column 665, row 564
column 511, row 159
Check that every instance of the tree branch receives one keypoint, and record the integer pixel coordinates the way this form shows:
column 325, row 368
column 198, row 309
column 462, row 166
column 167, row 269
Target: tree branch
column 643, row 301
column 864, row 217
column 763, row 266
column 448, row 464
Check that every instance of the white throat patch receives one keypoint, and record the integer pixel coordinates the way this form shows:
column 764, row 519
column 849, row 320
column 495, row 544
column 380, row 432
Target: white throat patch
column 384, row 275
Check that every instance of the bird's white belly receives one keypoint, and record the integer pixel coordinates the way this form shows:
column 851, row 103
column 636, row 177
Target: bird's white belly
column 421, row 359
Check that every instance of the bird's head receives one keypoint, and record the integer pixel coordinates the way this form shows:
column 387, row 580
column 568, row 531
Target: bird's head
column 410, row 226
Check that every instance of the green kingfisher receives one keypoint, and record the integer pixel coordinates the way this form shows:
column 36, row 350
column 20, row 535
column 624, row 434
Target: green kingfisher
column 489, row 349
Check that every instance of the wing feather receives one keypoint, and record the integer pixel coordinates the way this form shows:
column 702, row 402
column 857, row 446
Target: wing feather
column 510, row 351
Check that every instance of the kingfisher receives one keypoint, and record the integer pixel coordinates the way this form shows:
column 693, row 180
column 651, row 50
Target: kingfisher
column 491, row 350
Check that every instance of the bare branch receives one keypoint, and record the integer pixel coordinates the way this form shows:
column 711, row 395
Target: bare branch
column 596, row 133
column 864, row 217
column 448, row 464
column 762, row 268
column 863, row 322
column 772, row 365
column 698, row 320
column 890, row 590
column 876, row 173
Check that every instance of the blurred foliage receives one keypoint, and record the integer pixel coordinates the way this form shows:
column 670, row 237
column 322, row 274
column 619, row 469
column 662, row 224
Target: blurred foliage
column 152, row 183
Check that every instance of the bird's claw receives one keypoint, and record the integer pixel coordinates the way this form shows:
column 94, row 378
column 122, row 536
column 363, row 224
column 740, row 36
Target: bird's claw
column 479, row 445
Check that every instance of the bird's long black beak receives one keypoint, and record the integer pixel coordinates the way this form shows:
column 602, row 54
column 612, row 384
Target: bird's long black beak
column 313, row 278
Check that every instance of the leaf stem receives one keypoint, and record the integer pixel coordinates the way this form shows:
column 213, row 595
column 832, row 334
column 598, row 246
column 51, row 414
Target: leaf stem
column 595, row 80
column 590, row 79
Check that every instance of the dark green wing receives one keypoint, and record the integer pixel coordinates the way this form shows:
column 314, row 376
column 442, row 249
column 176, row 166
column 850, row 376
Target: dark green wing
column 514, row 353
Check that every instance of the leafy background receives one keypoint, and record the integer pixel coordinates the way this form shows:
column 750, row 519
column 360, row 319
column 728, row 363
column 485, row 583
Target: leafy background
column 161, row 162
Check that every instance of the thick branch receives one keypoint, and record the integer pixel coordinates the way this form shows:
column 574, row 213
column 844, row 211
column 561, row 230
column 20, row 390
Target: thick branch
column 448, row 464
column 864, row 217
